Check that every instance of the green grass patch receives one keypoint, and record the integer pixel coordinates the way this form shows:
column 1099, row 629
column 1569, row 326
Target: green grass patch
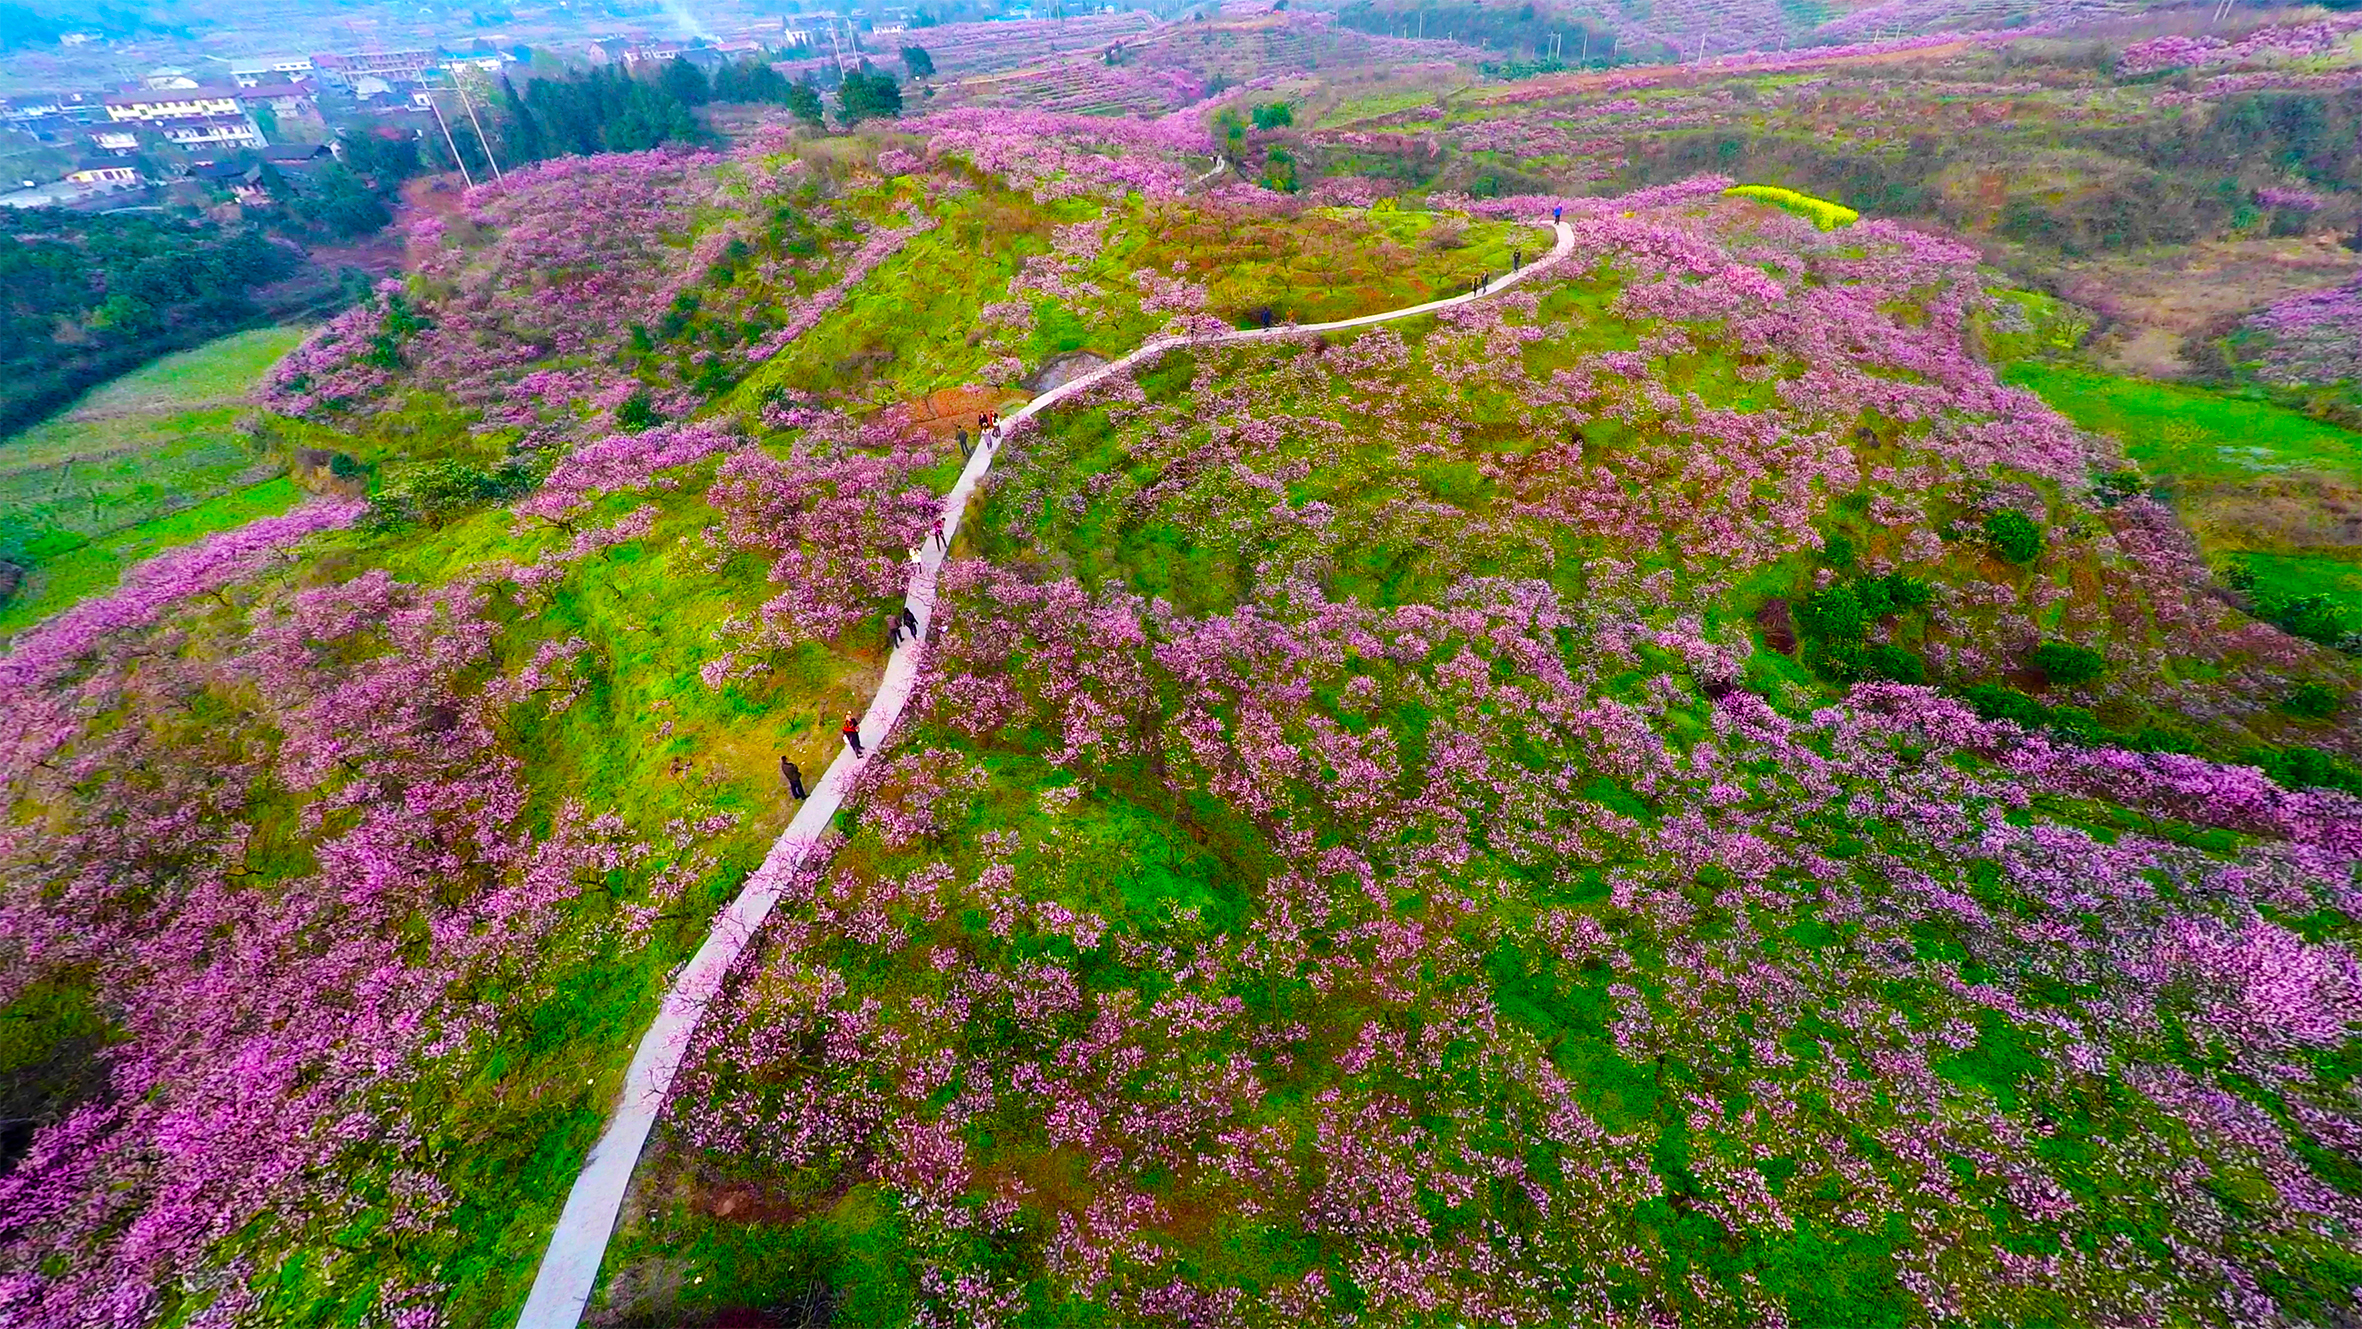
column 2189, row 434
column 2337, row 575
column 151, row 460
column 94, row 567
column 222, row 370
column 1376, row 105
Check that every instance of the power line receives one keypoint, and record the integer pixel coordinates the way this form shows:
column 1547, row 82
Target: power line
column 481, row 138
column 437, row 108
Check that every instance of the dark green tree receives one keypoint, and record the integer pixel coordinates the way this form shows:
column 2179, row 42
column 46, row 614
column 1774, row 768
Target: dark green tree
column 649, row 118
column 868, row 95
column 749, row 81
column 520, row 133
column 135, row 286
column 384, row 160
column 918, row 62
column 2067, row 664
column 337, row 200
column 803, row 102
column 685, row 83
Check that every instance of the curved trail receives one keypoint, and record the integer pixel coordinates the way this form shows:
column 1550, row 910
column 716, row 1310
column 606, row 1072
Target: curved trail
column 570, row 1268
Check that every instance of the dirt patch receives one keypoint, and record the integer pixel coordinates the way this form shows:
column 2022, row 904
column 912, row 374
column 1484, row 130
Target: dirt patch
column 1779, row 629
column 2284, row 513
column 2153, row 302
column 322, row 471
column 941, row 412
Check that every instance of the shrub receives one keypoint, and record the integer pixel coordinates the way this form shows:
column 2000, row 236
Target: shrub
column 1995, row 702
column 435, row 491
column 2074, row 724
column 2316, row 618
column 2312, row 617
column 2114, row 487
column 2013, row 535
column 1894, row 593
column 1834, row 614
column 1274, row 115
column 2067, row 664
column 2307, row 768
column 1853, row 662
column 2312, row 701
column 637, row 412
column 2157, row 738
column 1893, row 664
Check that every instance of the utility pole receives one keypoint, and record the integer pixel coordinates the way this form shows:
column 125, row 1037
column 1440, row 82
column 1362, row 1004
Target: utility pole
column 435, row 105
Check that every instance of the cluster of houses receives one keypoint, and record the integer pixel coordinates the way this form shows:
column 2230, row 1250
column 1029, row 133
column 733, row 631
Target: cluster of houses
column 271, row 108
column 265, row 110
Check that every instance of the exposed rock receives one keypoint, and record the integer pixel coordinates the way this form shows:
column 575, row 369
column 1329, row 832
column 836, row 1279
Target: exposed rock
column 1060, row 370
column 1779, row 630
column 323, row 471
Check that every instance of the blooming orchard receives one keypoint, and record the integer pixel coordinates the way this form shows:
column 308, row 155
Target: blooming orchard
column 1340, row 875
column 1669, row 795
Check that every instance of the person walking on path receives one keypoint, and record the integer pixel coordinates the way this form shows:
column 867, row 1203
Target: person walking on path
column 940, row 543
column 852, row 733
column 1557, row 214
column 910, row 623
column 962, row 435
column 1516, row 259
column 794, row 776
column 893, row 634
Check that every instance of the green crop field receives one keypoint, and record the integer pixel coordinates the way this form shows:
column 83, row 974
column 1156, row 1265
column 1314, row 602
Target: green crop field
column 2192, row 435
column 149, row 461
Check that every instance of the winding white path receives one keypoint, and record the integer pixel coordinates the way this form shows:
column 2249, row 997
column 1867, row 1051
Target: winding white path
column 570, row 1268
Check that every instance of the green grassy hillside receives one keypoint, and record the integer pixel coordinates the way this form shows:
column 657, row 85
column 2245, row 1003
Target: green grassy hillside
column 149, row 461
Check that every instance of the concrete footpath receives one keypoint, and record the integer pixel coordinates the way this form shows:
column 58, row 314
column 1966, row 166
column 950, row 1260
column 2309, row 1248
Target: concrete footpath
column 569, row 1270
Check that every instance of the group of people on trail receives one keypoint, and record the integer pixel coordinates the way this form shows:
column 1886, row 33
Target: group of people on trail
column 794, row 774
column 988, row 433
column 903, row 622
column 1477, row 283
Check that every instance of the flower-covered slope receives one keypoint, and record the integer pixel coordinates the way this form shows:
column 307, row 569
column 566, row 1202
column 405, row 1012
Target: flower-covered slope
column 346, row 853
column 1430, row 826
column 1363, row 861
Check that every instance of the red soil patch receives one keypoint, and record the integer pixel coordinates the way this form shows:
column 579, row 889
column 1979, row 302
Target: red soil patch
column 941, row 412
